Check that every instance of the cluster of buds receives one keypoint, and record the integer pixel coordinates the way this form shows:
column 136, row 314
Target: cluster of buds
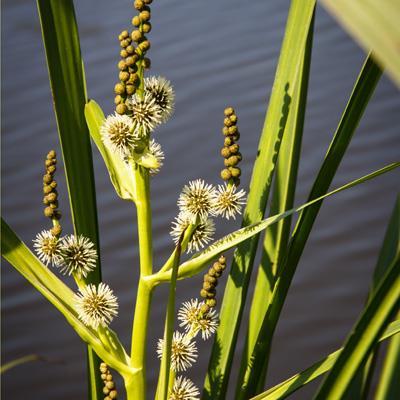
column 143, row 26
column 230, row 151
column 109, row 384
column 50, row 199
column 210, row 283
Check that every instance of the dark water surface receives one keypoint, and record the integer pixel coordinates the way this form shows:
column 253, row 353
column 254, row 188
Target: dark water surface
column 216, row 53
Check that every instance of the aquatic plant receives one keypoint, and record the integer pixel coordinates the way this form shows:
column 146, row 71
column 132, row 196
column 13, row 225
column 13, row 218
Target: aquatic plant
column 131, row 155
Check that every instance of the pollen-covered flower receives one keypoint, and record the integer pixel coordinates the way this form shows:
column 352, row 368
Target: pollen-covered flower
column 183, row 351
column 163, row 94
column 146, row 113
column 118, row 135
column 227, row 201
column 78, row 255
column 156, row 151
column 195, row 320
column 202, row 235
column 197, row 199
column 184, row 389
column 47, row 247
column 96, row 305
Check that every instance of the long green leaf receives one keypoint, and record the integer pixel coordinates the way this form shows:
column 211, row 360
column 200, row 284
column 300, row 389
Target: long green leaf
column 121, row 176
column 286, row 78
column 65, row 66
column 365, row 335
column 359, row 98
column 61, row 296
column 375, row 25
column 276, row 237
column 201, row 259
column 289, row 386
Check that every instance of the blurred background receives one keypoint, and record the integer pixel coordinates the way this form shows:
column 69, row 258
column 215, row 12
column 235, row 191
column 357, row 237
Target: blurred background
column 216, row 54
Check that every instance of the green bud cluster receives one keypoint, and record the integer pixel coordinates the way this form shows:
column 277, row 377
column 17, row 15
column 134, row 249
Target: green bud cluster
column 109, row 384
column 230, row 152
column 142, row 26
column 210, row 283
column 50, row 199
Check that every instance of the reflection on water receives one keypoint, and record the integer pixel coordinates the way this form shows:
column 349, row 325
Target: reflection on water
column 216, row 54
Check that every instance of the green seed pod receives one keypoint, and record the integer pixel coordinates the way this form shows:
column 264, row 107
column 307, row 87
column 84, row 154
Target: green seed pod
column 204, row 309
column 125, row 43
column 113, row 394
column 211, row 279
column 118, row 99
column 48, row 212
column 211, row 303
column 108, row 377
column 124, row 34
column 145, row 45
column 56, row 230
column 119, row 88
column 51, row 169
column 51, row 154
column 130, row 49
column 228, row 111
column 103, row 365
column 146, row 27
column 53, row 184
column 137, row 36
column 233, row 160
column 211, row 293
column 228, row 122
column 121, row 108
column 227, row 163
column 110, row 385
column 203, row 293
column 54, row 205
column 218, row 267
column 225, row 131
column 45, row 200
column 134, row 79
column 47, row 189
column 136, row 20
column 234, row 148
column 122, row 65
column 211, row 272
column 225, row 152
column 222, row 260
column 207, row 286
column 103, row 376
column 233, row 118
column 47, row 163
column 226, row 174
column 130, row 89
column 138, row 4
column 47, row 178
column 228, row 141
column 232, row 130
column 123, row 53
column 145, row 16
column 236, row 172
column 130, row 61
column 106, row 390
column 146, row 63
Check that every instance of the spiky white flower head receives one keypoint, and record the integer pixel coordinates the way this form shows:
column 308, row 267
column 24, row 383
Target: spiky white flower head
column 156, row 151
column 163, row 94
column 96, row 305
column 197, row 199
column 118, row 134
column 183, row 351
column 146, row 113
column 47, row 248
column 78, row 255
column 184, row 389
column 202, row 235
column 227, row 201
column 193, row 319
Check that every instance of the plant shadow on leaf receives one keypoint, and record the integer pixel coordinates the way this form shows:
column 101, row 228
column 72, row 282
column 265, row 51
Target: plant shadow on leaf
column 216, row 377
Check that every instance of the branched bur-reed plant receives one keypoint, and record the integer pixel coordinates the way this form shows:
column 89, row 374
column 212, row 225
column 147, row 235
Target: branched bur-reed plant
column 127, row 142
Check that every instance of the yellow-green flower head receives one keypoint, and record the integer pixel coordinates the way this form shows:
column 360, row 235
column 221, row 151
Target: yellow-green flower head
column 184, row 389
column 118, row 134
column 47, row 248
column 146, row 113
column 96, row 305
column 227, row 201
column 194, row 320
column 78, row 256
column 163, row 93
column 197, row 199
column 156, row 151
column 183, row 351
column 202, row 235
